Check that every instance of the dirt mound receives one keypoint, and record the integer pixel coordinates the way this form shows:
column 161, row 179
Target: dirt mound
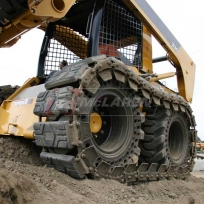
column 20, row 150
column 24, row 180
column 14, row 188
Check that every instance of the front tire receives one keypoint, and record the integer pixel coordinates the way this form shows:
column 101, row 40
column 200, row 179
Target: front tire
column 113, row 145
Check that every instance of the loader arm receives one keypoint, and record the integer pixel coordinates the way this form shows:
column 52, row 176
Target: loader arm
column 185, row 67
column 19, row 16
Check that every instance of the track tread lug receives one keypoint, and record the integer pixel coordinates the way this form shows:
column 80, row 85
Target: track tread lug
column 53, row 134
column 103, row 168
column 117, row 173
column 63, row 163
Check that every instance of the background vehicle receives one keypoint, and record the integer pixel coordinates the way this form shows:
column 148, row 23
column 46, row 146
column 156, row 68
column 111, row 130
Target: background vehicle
column 200, row 146
column 103, row 115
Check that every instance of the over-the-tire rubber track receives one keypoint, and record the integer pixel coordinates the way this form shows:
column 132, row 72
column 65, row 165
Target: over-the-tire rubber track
column 153, row 163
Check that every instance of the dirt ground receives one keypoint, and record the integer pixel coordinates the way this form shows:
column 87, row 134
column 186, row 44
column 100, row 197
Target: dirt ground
column 24, row 179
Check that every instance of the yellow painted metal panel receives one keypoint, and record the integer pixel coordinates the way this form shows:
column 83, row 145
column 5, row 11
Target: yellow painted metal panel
column 18, row 118
column 147, row 51
column 38, row 14
column 16, row 113
column 3, row 115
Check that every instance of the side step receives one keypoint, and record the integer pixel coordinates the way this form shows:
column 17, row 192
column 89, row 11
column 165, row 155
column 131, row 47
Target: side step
column 63, row 163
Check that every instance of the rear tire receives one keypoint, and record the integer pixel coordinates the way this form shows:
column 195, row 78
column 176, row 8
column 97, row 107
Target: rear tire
column 167, row 138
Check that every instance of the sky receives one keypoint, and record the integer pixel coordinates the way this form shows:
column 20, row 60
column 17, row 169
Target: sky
column 184, row 18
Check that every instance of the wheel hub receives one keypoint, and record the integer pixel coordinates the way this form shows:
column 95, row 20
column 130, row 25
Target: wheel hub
column 95, row 122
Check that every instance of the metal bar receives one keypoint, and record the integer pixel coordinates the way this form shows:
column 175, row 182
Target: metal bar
column 159, row 59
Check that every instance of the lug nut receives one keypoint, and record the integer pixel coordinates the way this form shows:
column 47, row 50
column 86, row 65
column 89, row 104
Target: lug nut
column 83, row 156
column 102, row 132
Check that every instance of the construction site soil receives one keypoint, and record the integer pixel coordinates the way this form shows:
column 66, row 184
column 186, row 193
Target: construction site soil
column 25, row 179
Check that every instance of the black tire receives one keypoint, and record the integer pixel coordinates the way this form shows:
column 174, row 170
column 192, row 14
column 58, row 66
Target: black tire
column 167, row 138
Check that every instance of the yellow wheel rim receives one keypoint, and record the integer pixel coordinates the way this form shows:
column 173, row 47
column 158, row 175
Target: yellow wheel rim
column 95, row 122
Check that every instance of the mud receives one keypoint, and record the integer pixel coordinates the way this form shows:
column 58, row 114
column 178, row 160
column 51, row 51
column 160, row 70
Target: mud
column 25, row 179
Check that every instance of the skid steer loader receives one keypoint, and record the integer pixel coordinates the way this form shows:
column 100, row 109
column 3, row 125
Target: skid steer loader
column 106, row 114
